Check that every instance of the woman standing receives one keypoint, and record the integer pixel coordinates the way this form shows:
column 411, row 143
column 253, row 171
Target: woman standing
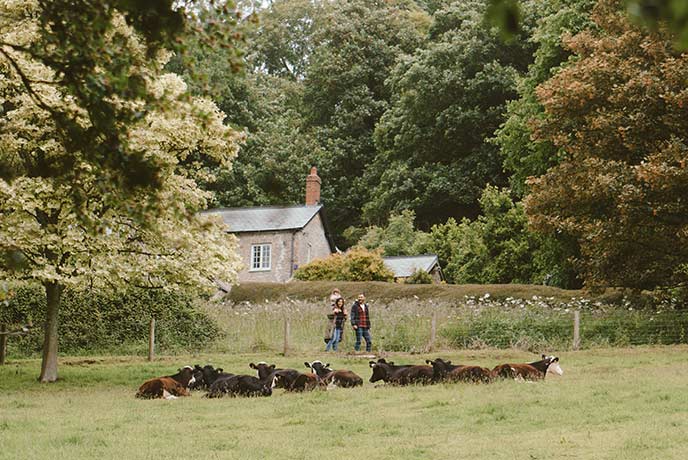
column 339, row 313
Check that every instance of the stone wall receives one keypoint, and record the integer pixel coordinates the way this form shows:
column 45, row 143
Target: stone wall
column 307, row 244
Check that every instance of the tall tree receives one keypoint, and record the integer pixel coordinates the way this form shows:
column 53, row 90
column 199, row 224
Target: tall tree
column 522, row 155
column 278, row 152
column 96, row 66
column 56, row 222
column 264, row 101
column 284, row 42
column 448, row 99
column 618, row 115
column 358, row 42
column 398, row 238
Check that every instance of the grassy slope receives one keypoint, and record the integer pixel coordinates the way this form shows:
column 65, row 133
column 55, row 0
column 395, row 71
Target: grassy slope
column 307, row 290
column 610, row 404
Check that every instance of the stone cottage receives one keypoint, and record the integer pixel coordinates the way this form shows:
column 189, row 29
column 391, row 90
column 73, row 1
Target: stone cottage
column 275, row 240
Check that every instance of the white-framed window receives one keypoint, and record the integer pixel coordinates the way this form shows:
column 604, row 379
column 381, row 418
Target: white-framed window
column 261, row 257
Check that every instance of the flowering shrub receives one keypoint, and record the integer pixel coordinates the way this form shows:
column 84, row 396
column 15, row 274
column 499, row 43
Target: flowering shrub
column 419, row 277
column 357, row 264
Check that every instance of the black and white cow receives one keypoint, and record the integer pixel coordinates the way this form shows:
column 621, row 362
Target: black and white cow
column 207, row 375
column 340, row 378
column 284, row 377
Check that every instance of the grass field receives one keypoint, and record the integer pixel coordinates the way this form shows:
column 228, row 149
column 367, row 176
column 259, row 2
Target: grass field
column 627, row 403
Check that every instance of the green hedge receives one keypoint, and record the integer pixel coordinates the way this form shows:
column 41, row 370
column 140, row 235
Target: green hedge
column 97, row 321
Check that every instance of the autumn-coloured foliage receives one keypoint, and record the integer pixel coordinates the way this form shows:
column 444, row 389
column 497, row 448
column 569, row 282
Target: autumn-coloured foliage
column 619, row 117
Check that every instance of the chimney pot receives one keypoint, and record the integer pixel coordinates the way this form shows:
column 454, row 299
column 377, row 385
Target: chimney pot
column 313, row 187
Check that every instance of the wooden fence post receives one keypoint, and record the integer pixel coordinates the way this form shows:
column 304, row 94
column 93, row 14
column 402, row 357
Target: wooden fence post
column 3, row 344
column 286, row 336
column 433, row 331
column 576, row 329
column 151, row 340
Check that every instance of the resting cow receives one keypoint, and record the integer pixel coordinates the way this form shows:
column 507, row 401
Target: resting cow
column 284, row 377
column 206, row 376
column 446, row 371
column 241, row 385
column 306, row 382
column 331, row 378
column 168, row 387
column 537, row 370
column 388, row 372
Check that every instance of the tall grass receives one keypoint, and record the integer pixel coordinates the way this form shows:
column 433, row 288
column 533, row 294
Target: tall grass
column 532, row 324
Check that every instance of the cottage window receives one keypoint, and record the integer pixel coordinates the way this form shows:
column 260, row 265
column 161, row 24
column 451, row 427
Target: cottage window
column 261, row 257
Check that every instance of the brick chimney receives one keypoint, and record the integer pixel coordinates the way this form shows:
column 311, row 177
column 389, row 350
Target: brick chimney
column 313, row 187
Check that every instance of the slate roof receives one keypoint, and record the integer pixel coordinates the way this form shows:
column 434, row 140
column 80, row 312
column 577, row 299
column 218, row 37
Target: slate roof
column 404, row 266
column 266, row 218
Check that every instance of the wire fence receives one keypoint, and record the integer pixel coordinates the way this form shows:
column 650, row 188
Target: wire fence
column 474, row 323
column 537, row 325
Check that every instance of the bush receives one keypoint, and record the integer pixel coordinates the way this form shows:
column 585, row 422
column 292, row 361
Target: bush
column 419, row 277
column 101, row 321
column 357, row 264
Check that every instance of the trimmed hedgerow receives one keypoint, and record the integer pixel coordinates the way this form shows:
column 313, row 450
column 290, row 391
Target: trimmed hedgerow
column 100, row 321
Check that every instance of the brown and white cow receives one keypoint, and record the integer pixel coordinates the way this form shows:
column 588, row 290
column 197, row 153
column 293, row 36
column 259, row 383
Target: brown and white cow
column 339, row 378
column 168, row 387
column 537, row 370
column 446, row 371
column 388, row 372
column 307, row 382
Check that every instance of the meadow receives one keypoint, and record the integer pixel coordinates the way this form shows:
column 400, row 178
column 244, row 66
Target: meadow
column 611, row 403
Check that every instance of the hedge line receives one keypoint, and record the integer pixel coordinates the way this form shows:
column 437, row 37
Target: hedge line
column 97, row 321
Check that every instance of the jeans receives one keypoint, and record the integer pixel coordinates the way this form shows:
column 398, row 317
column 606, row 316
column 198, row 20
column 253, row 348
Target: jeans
column 365, row 333
column 334, row 341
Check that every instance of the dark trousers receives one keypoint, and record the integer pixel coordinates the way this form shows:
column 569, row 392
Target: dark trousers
column 365, row 333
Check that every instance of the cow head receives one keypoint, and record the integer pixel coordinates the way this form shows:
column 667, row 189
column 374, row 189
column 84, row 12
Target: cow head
column 283, row 378
column 439, row 367
column 211, row 374
column 264, row 369
column 553, row 365
column 318, row 368
column 186, row 376
column 380, row 371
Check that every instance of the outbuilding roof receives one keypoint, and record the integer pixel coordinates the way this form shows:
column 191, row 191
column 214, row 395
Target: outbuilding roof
column 404, row 266
column 266, row 218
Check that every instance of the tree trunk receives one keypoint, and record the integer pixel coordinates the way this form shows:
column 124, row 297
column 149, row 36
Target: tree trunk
column 49, row 363
column 3, row 344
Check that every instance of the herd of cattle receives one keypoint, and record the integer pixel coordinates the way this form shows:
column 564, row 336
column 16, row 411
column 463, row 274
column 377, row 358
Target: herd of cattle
column 219, row 383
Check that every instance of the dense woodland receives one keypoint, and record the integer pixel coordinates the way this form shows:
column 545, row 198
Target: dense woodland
column 553, row 155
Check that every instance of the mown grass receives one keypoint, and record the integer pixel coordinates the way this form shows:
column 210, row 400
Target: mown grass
column 626, row 403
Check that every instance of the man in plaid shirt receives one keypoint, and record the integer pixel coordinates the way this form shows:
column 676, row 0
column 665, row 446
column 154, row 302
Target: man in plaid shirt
column 360, row 320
